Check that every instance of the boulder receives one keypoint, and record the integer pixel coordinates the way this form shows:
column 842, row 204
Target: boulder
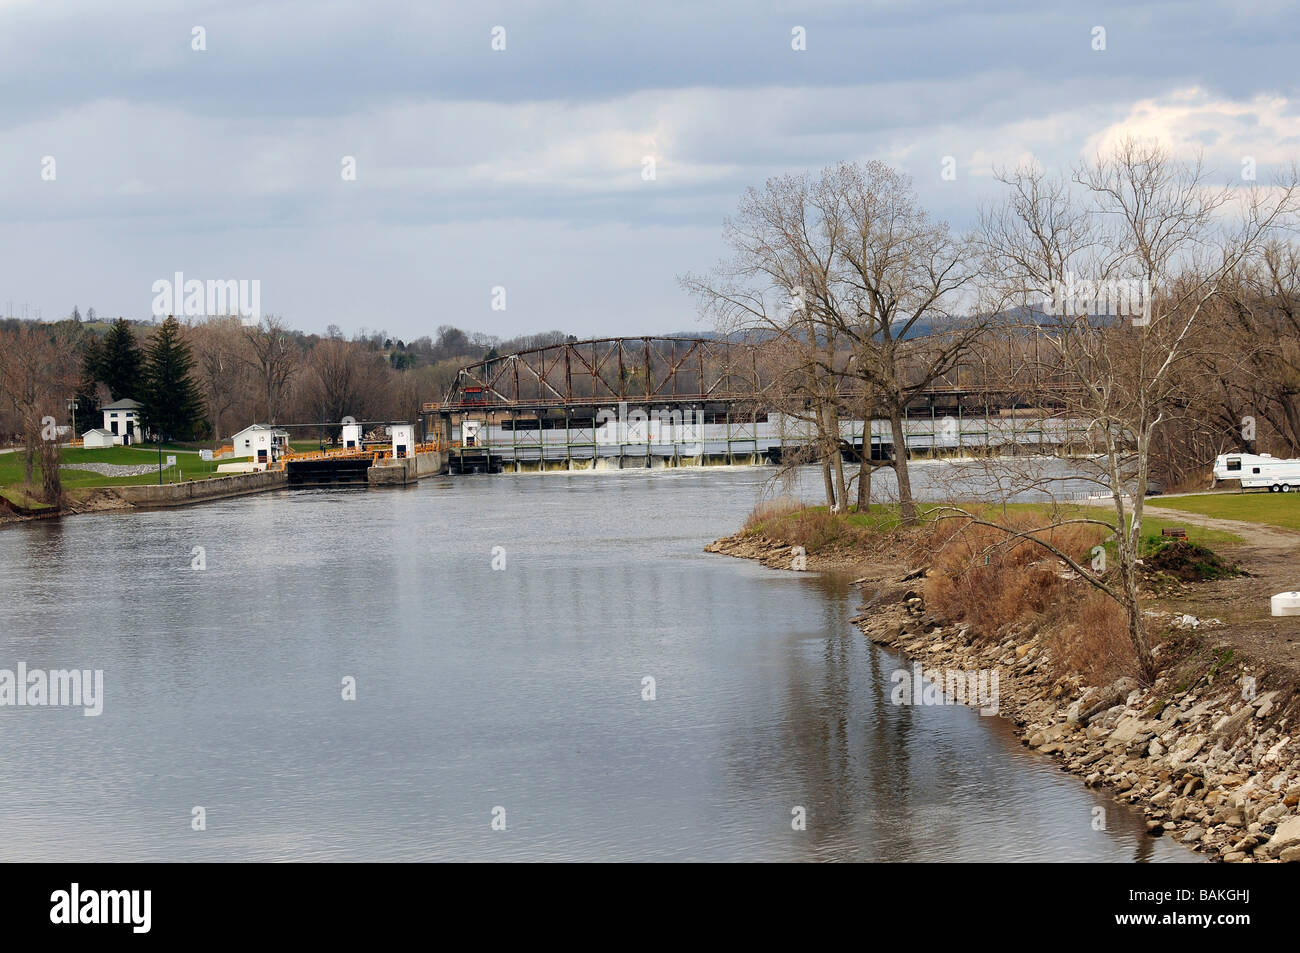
column 1187, row 750
column 1285, row 837
column 1130, row 730
column 1231, row 724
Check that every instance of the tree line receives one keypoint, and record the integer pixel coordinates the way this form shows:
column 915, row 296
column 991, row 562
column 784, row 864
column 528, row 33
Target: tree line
column 204, row 379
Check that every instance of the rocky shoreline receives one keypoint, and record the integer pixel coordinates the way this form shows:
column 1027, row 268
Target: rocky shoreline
column 1213, row 762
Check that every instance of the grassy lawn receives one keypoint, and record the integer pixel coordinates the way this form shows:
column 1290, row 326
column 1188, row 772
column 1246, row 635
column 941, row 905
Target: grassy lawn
column 11, row 470
column 1276, row 509
column 20, row 496
column 1152, row 523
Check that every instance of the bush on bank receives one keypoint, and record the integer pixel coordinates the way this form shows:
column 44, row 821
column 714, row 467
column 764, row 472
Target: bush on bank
column 989, row 580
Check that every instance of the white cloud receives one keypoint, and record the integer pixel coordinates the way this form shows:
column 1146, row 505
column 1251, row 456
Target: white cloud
column 1192, row 120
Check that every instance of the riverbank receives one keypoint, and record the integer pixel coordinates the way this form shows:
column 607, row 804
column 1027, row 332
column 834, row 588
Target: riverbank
column 1209, row 751
column 390, row 472
column 146, row 496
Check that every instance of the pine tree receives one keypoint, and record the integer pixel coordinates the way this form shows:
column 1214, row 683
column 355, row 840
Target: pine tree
column 120, row 362
column 172, row 406
column 87, row 392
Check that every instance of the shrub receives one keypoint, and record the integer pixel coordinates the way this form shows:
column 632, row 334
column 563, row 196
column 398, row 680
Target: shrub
column 986, row 576
column 768, row 515
column 1093, row 641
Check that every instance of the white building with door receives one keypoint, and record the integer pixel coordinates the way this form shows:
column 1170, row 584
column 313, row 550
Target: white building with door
column 262, row 443
column 122, row 420
column 403, row 440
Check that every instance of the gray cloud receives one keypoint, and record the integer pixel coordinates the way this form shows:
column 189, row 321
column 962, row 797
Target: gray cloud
column 523, row 168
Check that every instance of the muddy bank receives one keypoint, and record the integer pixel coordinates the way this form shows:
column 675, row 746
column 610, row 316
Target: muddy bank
column 96, row 500
column 1209, row 752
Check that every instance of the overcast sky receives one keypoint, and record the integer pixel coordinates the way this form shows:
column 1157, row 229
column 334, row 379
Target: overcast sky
column 523, row 168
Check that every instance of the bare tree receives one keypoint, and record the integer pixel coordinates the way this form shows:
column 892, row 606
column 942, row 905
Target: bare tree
column 1134, row 219
column 37, row 373
column 895, row 278
column 274, row 361
column 876, row 284
column 223, row 360
column 781, row 249
column 1253, row 349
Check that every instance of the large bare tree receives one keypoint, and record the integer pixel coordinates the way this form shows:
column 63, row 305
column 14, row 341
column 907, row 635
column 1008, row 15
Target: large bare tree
column 223, row 359
column 275, row 359
column 37, row 375
column 846, row 269
column 1137, row 226
column 893, row 293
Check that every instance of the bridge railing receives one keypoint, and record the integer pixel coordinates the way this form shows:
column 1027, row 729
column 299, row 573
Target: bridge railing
column 373, row 452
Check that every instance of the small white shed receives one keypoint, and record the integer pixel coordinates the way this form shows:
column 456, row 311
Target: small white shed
column 262, row 443
column 351, row 438
column 97, row 439
column 403, row 440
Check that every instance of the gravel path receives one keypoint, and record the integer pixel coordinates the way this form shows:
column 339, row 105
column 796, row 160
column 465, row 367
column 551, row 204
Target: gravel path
column 113, row 469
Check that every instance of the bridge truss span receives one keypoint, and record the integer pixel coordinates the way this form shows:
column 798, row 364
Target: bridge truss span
column 653, row 401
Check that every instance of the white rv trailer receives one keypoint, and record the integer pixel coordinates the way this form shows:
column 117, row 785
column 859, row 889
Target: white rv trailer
column 1259, row 470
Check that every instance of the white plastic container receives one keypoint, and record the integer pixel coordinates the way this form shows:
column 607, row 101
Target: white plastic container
column 1286, row 603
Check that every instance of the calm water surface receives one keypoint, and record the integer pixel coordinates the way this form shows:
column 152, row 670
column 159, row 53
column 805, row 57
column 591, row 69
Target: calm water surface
column 479, row 689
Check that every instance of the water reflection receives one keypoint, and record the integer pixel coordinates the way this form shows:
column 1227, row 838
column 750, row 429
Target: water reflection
column 519, row 688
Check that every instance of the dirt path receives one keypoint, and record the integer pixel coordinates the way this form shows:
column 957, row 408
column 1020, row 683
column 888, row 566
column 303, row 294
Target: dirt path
column 1271, row 556
column 1257, row 535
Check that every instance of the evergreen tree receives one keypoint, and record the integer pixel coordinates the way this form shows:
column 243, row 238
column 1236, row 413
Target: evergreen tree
column 120, row 362
column 87, row 392
column 172, row 405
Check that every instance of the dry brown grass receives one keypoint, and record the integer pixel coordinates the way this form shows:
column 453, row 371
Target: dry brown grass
column 1093, row 641
column 981, row 575
column 984, row 576
column 770, row 514
column 815, row 528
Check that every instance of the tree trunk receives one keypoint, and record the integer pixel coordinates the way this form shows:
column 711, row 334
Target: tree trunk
column 1137, row 630
column 830, row 486
column 864, row 462
column 864, row 473
column 52, row 479
column 835, row 457
column 29, row 451
column 906, row 506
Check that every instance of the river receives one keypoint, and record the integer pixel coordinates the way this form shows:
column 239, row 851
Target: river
column 515, row 694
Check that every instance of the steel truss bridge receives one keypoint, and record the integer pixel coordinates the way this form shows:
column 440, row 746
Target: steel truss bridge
column 553, row 402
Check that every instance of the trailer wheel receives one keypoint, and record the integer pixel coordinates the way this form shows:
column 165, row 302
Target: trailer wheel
column 1286, row 487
